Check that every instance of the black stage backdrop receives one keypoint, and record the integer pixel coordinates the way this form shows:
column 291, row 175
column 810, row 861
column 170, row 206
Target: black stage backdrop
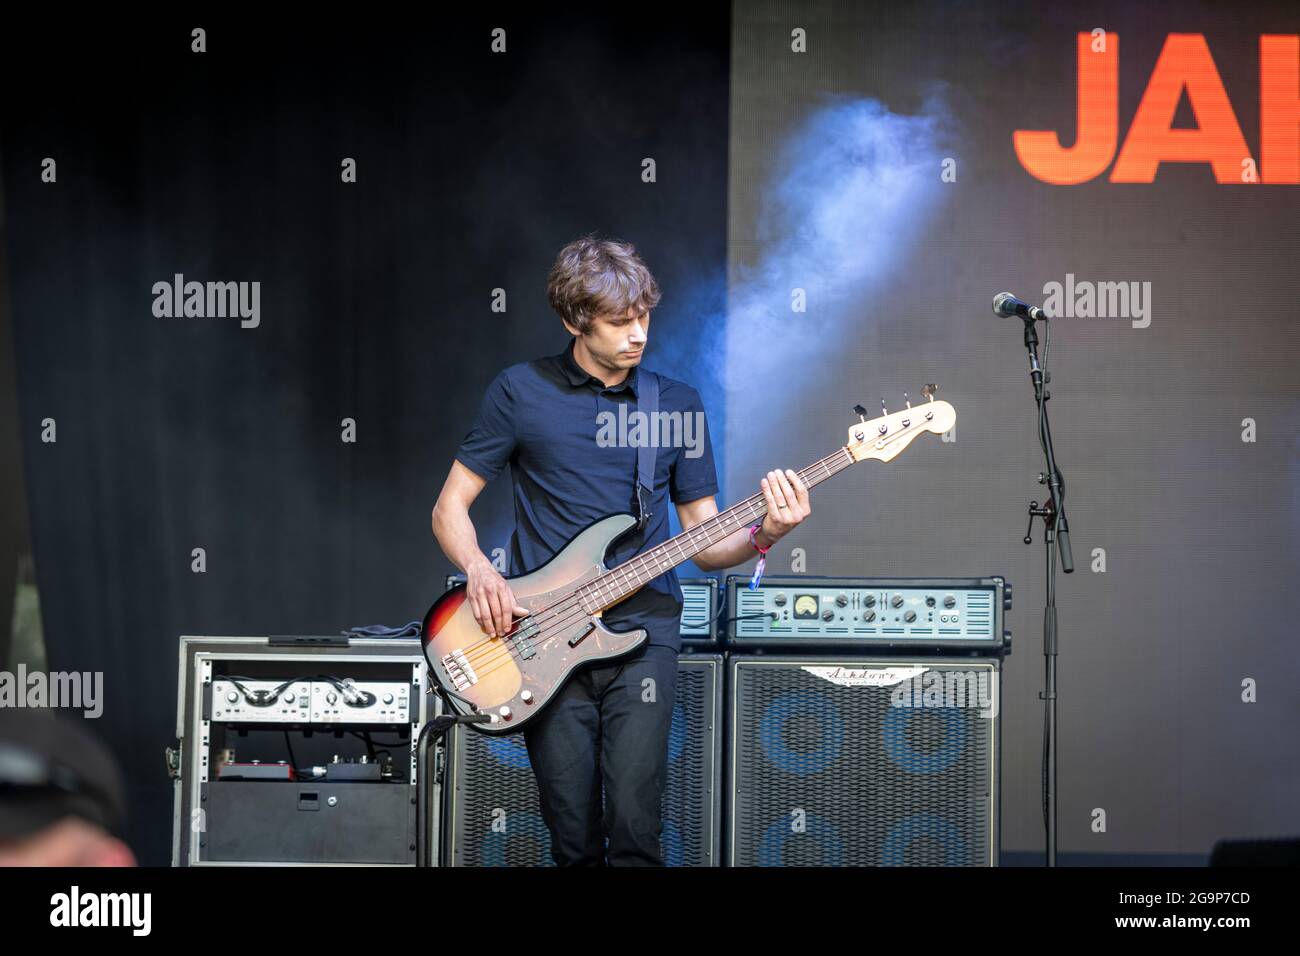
column 473, row 168
column 849, row 170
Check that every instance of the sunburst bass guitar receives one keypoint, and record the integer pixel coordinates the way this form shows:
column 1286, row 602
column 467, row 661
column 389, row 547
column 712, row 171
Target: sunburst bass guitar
column 509, row 679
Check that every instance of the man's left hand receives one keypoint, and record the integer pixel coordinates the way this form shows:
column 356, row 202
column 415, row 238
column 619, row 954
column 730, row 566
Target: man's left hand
column 787, row 505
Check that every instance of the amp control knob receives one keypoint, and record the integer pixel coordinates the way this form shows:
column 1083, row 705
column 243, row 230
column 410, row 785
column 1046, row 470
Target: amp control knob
column 869, row 616
column 950, row 602
column 828, row 615
column 869, row 600
column 909, row 617
column 842, row 599
column 897, row 601
column 232, row 697
column 779, row 600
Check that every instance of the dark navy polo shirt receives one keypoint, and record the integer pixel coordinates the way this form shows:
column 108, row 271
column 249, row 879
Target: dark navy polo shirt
column 543, row 418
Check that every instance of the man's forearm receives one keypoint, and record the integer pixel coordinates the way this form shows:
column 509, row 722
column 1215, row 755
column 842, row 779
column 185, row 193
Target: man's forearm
column 456, row 536
column 732, row 550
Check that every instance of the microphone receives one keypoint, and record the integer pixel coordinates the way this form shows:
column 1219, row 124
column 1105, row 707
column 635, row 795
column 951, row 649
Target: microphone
column 1004, row 303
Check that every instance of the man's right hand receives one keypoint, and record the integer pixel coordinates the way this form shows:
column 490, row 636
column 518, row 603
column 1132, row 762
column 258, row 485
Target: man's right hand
column 491, row 599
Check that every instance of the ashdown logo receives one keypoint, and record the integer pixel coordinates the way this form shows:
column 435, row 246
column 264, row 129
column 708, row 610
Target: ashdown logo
column 864, row 676
column 211, row 300
column 103, row 909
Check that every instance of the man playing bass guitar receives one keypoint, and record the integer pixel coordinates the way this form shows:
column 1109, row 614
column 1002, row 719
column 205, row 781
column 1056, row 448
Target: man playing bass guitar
column 550, row 420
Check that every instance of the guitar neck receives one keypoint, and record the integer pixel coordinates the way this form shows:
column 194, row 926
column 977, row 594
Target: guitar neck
column 628, row 577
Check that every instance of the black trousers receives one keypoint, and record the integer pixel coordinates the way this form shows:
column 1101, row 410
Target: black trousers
column 609, row 725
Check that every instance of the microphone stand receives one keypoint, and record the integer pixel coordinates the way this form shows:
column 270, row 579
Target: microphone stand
column 1056, row 532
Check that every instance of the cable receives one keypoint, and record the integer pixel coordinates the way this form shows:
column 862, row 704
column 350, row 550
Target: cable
column 348, row 688
column 259, row 698
column 423, row 783
column 712, row 619
column 293, row 761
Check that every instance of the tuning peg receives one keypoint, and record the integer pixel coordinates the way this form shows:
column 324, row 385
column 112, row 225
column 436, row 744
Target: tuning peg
column 860, row 412
column 883, row 412
column 905, row 401
column 929, row 390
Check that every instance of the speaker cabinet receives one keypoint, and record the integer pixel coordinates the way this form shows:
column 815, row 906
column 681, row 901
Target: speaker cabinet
column 490, row 794
column 849, row 761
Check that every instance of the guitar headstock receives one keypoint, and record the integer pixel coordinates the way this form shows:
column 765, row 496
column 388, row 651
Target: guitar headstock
column 884, row 438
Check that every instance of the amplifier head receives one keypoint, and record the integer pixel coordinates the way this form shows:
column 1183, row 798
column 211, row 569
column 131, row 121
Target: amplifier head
column 912, row 615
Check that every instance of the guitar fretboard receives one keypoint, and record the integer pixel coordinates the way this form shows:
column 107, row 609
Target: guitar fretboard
column 628, row 577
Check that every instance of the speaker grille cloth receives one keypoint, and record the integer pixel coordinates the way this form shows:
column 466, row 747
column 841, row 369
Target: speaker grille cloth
column 830, row 775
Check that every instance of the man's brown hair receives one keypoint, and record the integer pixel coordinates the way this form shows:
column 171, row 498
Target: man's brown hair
column 599, row 277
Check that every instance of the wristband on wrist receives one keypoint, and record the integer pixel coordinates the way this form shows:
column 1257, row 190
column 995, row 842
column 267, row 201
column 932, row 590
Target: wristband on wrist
column 762, row 557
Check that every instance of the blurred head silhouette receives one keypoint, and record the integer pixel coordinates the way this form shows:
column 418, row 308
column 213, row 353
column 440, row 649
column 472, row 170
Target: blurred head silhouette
column 61, row 801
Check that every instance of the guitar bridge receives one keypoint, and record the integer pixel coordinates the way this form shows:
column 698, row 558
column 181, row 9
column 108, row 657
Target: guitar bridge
column 459, row 669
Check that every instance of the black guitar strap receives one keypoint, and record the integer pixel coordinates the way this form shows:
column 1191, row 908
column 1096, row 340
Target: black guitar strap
column 648, row 402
